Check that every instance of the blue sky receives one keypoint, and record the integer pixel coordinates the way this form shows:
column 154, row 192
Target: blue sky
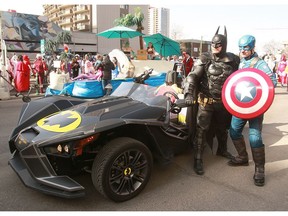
column 266, row 21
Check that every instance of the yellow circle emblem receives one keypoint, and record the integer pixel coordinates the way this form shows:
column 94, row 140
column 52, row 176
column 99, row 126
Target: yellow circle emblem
column 61, row 121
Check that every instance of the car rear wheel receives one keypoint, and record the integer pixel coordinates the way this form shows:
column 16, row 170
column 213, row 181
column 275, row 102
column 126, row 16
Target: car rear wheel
column 122, row 169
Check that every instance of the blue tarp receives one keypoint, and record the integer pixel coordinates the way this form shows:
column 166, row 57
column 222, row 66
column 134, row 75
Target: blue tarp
column 93, row 88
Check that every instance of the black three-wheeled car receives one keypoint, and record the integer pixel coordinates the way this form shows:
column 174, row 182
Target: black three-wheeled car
column 116, row 138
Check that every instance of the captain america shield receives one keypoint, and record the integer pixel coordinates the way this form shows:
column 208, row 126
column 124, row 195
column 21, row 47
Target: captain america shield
column 248, row 93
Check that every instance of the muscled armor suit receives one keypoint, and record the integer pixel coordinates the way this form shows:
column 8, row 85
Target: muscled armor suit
column 204, row 85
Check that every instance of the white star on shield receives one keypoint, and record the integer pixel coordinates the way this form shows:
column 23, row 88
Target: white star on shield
column 244, row 89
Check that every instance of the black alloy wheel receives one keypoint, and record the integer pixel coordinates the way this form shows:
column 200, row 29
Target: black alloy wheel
column 122, row 169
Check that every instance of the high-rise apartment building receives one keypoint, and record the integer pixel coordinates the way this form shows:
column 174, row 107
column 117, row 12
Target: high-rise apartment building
column 159, row 21
column 70, row 17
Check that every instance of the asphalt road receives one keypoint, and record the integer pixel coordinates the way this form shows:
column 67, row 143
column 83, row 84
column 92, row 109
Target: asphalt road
column 174, row 187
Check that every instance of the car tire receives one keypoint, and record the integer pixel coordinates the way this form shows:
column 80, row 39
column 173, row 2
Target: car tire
column 122, row 169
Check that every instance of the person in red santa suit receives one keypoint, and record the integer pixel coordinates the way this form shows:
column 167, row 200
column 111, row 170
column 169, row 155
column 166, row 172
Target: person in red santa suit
column 27, row 71
column 187, row 63
column 22, row 76
column 40, row 66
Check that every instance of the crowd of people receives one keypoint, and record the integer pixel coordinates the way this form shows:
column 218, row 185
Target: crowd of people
column 20, row 69
column 92, row 67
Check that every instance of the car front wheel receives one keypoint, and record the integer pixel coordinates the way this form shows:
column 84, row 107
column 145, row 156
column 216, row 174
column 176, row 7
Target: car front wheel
column 122, row 169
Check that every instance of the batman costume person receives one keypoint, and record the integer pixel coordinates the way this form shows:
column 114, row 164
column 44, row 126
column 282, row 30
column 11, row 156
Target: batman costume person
column 203, row 85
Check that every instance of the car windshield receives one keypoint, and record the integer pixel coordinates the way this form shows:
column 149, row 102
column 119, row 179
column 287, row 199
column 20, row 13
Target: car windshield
column 143, row 93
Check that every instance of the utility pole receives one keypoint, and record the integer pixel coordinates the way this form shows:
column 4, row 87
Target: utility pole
column 201, row 44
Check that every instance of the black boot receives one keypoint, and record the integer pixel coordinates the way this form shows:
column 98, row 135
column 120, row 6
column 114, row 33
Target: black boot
column 259, row 160
column 199, row 145
column 222, row 145
column 198, row 166
column 242, row 158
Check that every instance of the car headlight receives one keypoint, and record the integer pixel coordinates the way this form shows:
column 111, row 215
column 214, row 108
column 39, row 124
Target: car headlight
column 67, row 149
column 72, row 147
column 59, row 149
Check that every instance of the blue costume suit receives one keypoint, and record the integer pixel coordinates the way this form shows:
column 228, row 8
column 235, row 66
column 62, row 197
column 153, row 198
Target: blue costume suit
column 255, row 124
column 247, row 43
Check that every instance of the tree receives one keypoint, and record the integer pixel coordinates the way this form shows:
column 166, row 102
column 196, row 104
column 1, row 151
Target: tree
column 176, row 32
column 131, row 20
column 64, row 37
column 272, row 47
column 51, row 45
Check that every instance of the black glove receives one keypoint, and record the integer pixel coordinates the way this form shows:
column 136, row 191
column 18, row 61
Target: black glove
column 189, row 100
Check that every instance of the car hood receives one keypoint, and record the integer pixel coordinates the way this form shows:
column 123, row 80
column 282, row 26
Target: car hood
column 93, row 117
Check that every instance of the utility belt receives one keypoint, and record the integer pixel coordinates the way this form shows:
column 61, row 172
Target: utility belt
column 203, row 100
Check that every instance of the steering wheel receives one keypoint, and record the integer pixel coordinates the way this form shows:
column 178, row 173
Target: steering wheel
column 174, row 108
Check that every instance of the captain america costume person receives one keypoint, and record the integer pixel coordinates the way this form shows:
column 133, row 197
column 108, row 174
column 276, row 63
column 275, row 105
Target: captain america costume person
column 250, row 59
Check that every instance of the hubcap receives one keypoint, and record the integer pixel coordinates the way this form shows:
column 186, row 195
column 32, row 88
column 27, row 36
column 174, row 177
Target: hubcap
column 128, row 172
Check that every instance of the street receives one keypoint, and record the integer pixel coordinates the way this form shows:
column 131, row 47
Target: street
column 173, row 187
